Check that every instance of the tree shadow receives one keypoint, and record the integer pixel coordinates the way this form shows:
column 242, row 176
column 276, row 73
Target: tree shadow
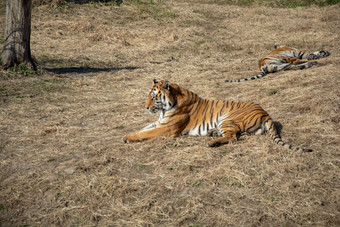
column 117, row 2
column 83, row 70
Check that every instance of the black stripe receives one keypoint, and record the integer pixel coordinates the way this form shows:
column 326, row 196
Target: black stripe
column 196, row 123
column 224, row 103
column 197, row 105
column 232, row 105
column 205, row 113
column 211, row 117
column 250, row 127
column 188, row 92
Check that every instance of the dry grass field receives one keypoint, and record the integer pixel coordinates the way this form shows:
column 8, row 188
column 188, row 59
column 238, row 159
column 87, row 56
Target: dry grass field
column 62, row 160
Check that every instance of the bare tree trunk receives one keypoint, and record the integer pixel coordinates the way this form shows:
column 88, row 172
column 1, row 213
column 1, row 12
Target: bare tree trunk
column 16, row 48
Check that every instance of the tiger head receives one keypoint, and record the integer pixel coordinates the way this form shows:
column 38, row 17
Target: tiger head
column 160, row 97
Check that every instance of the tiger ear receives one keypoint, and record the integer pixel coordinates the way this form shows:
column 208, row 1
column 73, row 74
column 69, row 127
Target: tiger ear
column 155, row 81
column 166, row 85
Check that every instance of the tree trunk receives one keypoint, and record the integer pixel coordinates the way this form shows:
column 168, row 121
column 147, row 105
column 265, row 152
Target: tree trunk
column 16, row 48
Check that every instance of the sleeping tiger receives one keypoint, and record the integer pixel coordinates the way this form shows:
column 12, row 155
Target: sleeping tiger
column 184, row 112
column 284, row 58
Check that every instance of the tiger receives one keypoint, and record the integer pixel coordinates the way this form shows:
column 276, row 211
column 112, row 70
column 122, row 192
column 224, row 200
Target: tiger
column 285, row 58
column 183, row 112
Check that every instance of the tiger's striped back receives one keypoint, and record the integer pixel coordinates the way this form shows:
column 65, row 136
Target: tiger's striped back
column 184, row 112
column 284, row 58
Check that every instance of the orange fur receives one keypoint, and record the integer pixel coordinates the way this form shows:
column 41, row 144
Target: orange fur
column 184, row 112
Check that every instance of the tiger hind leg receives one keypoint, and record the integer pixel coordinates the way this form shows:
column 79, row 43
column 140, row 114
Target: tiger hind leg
column 214, row 132
column 260, row 131
column 303, row 65
column 227, row 137
column 316, row 55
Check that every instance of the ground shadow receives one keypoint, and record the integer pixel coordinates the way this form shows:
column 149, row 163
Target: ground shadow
column 278, row 127
column 117, row 2
column 80, row 70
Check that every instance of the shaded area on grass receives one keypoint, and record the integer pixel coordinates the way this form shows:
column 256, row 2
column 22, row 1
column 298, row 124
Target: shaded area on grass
column 81, row 69
column 79, row 65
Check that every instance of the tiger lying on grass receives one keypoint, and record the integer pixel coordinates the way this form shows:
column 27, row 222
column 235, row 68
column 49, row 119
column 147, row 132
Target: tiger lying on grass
column 184, row 112
column 284, row 58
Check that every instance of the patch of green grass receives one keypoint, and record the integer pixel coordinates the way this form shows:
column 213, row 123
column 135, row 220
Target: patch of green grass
column 118, row 127
column 52, row 159
column 195, row 225
column 223, row 153
column 3, row 7
column 201, row 42
column 23, row 70
column 177, row 144
column 49, row 87
column 273, row 91
column 168, row 14
column 245, row 2
column 199, row 13
column 52, row 85
column 227, row 202
column 150, row 8
column 2, row 207
column 194, row 169
column 197, row 183
column 233, row 182
column 141, row 166
column 273, row 198
column 237, row 184
column 57, row 196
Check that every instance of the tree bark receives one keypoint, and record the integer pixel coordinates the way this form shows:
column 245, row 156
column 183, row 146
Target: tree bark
column 16, row 48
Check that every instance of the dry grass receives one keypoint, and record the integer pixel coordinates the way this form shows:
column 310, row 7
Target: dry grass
column 62, row 159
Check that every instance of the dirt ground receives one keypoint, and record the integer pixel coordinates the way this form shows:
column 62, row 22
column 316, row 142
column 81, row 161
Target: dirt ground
column 62, row 160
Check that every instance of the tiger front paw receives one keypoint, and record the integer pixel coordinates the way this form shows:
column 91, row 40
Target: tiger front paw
column 128, row 138
column 125, row 140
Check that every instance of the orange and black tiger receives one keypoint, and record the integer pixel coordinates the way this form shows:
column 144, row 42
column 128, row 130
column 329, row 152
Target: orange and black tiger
column 184, row 112
column 285, row 58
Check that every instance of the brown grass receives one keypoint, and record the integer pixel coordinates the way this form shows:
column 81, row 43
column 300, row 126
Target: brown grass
column 62, row 159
